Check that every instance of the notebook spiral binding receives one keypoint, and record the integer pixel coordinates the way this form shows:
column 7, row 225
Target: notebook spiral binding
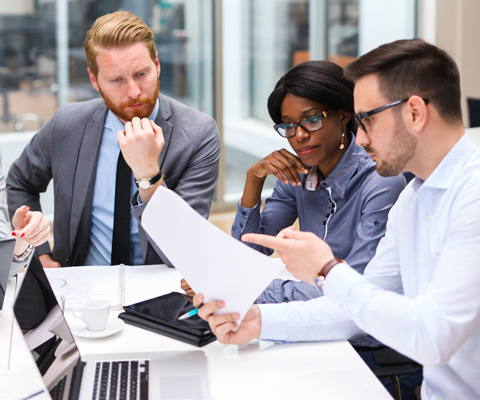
column 121, row 285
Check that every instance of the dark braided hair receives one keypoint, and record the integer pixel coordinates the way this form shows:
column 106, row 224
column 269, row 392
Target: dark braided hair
column 320, row 81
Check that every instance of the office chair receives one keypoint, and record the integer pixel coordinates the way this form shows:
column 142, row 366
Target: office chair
column 393, row 365
column 473, row 111
column 390, row 364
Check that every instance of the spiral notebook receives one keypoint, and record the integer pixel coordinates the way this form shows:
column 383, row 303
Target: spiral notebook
column 83, row 283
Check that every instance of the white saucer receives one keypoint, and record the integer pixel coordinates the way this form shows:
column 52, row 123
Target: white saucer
column 114, row 325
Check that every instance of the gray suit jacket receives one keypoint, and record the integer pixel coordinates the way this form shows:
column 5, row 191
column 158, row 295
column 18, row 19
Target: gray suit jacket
column 66, row 149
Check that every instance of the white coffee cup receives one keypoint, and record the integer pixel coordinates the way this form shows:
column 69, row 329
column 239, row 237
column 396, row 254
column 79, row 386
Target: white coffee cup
column 94, row 313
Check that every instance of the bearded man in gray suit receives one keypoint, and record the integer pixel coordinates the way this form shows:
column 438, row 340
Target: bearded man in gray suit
column 162, row 141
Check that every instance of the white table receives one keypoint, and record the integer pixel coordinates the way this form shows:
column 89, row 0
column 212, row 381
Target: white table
column 258, row 370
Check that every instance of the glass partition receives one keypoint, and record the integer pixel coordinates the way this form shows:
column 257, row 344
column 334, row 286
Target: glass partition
column 264, row 39
column 224, row 64
column 32, row 65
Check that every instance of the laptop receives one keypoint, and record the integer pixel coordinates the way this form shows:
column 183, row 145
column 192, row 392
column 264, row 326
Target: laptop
column 68, row 375
column 7, row 247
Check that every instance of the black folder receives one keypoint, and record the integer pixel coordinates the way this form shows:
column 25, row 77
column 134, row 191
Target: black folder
column 160, row 315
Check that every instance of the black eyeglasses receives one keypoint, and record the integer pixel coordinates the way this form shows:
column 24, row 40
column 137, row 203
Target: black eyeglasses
column 363, row 115
column 310, row 124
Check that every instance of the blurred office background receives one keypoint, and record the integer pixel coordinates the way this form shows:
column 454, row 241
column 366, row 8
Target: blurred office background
column 222, row 57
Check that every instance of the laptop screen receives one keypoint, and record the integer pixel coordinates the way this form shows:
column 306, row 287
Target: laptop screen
column 53, row 348
column 6, row 254
column 45, row 329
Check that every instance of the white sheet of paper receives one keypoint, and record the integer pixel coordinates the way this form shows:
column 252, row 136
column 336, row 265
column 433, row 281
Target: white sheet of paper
column 212, row 262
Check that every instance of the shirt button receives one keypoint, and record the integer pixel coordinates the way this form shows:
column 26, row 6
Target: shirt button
column 426, row 217
column 324, row 222
column 327, row 215
column 241, row 225
column 243, row 213
column 425, row 263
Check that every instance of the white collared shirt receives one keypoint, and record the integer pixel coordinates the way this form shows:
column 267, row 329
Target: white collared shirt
column 420, row 293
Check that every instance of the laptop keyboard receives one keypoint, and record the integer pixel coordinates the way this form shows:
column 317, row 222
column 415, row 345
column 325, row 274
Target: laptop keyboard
column 57, row 392
column 122, row 380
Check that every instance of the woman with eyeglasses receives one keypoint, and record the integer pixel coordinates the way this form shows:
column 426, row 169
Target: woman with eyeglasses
column 328, row 183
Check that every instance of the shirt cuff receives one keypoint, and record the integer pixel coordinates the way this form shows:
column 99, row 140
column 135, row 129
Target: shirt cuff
column 339, row 283
column 245, row 211
column 274, row 321
column 136, row 200
column 243, row 216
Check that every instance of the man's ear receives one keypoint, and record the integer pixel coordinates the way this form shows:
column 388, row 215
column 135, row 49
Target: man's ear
column 417, row 113
column 93, row 79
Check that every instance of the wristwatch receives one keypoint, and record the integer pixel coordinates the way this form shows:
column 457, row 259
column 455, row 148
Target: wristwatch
column 22, row 257
column 320, row 278
column 147, row 183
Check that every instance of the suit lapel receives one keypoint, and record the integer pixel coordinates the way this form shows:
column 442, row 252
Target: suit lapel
column 84, row 182
column 162, row 120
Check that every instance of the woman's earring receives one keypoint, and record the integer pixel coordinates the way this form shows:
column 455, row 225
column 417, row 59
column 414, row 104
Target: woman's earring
column 342, row 146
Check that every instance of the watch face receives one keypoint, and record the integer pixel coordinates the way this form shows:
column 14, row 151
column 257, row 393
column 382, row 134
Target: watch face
column 144, row 183
column 319, row 282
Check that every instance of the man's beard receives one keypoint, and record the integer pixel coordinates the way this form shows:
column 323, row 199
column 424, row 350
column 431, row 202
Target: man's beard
column 401, row 150
column 125, row 114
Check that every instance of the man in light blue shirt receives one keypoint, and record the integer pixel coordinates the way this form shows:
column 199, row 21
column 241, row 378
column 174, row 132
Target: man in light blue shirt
column 419, row 294
column 103, row 202
column 162, row 141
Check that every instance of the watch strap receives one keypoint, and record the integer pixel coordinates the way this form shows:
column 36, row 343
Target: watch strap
column 328, row 267
column 152, row 180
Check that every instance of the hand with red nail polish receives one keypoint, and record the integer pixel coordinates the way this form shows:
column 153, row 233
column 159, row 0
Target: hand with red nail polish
column 30, row 227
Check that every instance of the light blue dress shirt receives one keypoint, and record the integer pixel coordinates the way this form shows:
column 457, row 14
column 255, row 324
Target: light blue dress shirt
column 420, row 293
column 101, row 231
column 348, row 210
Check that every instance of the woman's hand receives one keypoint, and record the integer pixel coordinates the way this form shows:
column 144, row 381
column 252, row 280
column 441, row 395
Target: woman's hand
column 186, row 288
column 30, row 227
column 284, row 165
